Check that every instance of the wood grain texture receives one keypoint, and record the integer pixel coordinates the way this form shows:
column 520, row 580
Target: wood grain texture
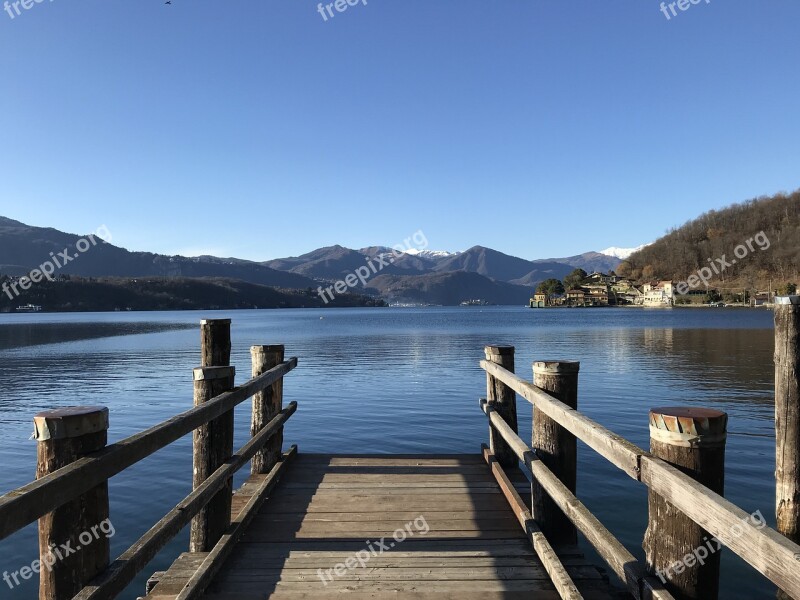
column 693, row 440
column 65, row 526
column 266, row 405
column 556, row 447
column 616, row 449
column 26, row 504
column 787, row 422
column 613, row 552
column 133, row 561
column 552, row 564
column 472, row 545
column 505, row 400
column 212, row 445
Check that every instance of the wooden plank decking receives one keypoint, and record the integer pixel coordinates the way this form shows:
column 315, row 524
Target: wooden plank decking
column 328, row 508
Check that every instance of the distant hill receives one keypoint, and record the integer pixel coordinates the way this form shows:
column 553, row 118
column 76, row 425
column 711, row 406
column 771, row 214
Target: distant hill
column 447, row 289
column 23, row 248
column 590, row 262
column 175, row 293
column 493, row 276
column 336, row 262
column 502, row 267
column 717, row 234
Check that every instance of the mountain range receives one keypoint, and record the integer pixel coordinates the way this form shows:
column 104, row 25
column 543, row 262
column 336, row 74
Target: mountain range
column 434, row 277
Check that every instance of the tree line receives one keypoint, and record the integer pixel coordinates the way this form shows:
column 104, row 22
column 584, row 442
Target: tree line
column 723, row 240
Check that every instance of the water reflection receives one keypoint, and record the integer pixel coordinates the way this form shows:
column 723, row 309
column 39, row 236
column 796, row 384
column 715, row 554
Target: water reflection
column 394, row 381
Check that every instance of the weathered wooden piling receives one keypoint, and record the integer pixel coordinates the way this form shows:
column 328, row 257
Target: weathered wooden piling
column 72, row 548
column 787, row 418
column 504, row 401
column 556, row 447
column 212, row 442
column 266, row 405
column 678, row 550
column 215, row 342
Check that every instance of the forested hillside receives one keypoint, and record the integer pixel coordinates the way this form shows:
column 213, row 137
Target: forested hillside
column 728, row 240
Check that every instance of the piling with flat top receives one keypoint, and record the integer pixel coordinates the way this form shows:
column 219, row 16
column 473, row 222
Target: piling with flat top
column 213, row 442
column 504, row 401
column 81, row 525
column 787, row 417
column 215, row 342
column 266, row 405
column 556, row 447
column 678, row 550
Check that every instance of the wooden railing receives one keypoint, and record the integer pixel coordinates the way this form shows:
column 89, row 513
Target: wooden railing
column 70, row 495
column 677, row 490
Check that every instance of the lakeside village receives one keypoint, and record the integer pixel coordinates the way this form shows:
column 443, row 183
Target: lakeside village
column 580, row 289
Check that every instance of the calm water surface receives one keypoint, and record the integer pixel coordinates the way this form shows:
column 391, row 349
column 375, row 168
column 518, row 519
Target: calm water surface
column 395, row 381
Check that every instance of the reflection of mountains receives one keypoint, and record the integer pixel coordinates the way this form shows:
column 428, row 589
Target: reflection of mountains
column 36, row 334
column 738, row 362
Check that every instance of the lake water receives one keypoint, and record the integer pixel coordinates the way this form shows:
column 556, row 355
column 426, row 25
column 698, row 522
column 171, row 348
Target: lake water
column 395, row 381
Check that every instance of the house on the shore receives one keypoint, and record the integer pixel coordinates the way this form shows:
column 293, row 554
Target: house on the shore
column 539, row 300
column 597, row 278
column 576, row 297
column 761, row 299
column 596, row 294
column 660, row 293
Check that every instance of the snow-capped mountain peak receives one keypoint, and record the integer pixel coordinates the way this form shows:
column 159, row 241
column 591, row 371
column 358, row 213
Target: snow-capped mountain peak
column 622, row 253
column 430, row 253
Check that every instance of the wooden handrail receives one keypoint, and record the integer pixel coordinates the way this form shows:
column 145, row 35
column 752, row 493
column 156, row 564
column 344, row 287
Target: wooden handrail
column 214, row 560
column 614, row 448
column 766, row 550
column 552, row 563
column 28, row 503
column 123, row 570
column 622, row 562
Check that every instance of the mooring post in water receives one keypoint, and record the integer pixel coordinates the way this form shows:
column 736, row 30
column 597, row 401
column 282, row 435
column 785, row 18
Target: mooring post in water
column 680, row 552
column 787, row 418
column 73, row 541
column 556, row 447
column 266, row 405
column 504, row 403
column 213, row 442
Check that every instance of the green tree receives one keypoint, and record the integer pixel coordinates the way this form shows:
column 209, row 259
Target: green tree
column 787, row 289
column 551, row 287
column 574, row 279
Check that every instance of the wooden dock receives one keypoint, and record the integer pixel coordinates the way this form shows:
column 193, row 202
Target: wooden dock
column 503, row 522
column 422, row 526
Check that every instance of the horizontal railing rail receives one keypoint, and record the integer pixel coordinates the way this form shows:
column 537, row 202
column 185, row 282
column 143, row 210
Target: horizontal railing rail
column 617, row 557
column 26, row 504
column 123, row 570
column 561, row 579
column 766, row 550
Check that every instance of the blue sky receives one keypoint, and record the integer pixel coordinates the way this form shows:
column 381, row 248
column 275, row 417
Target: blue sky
column 257, row 129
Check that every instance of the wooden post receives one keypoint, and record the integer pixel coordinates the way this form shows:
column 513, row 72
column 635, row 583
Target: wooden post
column 213, row 442
column 504, row 401
column 680, row 552
column 787, row 418
column 215, row 343
column 73, row 539
column 557, row 448
column 266, row 405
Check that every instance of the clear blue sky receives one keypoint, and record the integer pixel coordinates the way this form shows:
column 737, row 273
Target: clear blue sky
column 254, row 128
